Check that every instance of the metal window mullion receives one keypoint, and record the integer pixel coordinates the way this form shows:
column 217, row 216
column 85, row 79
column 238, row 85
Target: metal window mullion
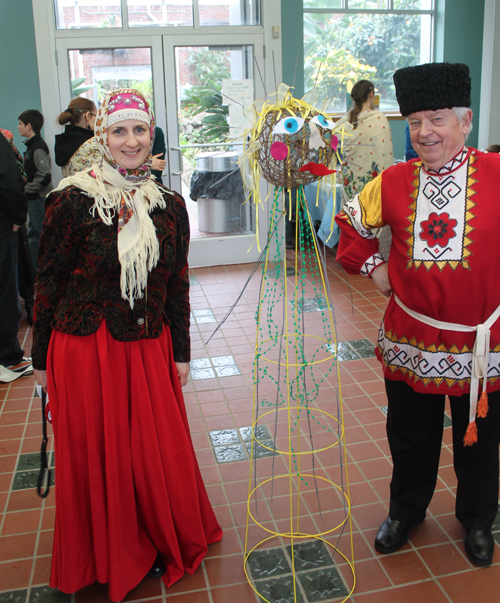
column 196, row 14
column 124, row 5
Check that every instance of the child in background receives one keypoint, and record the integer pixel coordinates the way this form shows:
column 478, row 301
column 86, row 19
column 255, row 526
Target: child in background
column 493, row 148
column 37, row 166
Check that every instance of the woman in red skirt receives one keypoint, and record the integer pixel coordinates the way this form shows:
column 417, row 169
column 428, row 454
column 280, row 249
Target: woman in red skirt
column 111, row 347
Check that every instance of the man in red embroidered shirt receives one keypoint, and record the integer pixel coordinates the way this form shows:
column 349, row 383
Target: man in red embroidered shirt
column 440, row 335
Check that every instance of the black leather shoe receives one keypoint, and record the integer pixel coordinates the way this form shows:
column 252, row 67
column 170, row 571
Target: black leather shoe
column 392, row 534
column 479, row 546
column 157, row 569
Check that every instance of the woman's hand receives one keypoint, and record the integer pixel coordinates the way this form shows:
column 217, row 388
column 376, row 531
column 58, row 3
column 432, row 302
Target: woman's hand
column 41, row 379
column 380, row 277
column 157, row 163
column 183, row 372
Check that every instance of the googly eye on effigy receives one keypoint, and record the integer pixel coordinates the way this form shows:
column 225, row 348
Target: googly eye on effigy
column 320, row 120
column 288, row 125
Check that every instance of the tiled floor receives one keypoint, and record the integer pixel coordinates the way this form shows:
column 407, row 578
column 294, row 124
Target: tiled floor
column 431, row 567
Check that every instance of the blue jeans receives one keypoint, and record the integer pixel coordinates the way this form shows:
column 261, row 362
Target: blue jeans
column 10, row 310
column 36, row 213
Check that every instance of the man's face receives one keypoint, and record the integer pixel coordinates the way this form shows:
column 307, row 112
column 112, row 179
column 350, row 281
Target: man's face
column 24, row 129
column 437, row 136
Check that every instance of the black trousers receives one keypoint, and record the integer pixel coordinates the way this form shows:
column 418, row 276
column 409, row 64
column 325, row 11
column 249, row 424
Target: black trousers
column 415, row 431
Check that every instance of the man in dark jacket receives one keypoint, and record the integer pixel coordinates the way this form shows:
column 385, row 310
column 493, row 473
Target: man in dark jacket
column 37, row 166
column 13, row 212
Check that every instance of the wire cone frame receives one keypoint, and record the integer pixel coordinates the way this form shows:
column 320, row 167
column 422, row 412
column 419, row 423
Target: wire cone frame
column 300, row 492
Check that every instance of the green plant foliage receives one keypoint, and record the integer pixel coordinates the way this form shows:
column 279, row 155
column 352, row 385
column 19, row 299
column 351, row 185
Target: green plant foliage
column 349, row 47
column 77, row 87
column 205, row 98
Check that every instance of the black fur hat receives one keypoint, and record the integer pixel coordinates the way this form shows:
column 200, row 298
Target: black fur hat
column 432, row 86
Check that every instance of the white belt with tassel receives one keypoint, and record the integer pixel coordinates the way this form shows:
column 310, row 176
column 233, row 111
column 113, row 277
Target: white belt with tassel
column 480, row 357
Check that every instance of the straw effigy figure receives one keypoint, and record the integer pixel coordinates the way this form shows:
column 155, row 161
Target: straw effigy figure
column 298, row 501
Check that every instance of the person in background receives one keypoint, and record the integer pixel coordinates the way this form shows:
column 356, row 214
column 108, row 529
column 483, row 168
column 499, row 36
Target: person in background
column 409, row 150
column 159, row 149
column 368, row 152
column 493, row 148
column 37, row 166
column 440, row 333
column 13, row 214
column 26, row 272
column 111, row 346
column 76, row 148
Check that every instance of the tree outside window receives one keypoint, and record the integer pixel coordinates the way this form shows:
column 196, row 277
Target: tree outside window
column 343, row 47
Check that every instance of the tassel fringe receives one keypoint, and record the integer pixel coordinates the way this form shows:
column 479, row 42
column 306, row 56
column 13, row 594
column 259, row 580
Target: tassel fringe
column 482, row 407
column 471, row 434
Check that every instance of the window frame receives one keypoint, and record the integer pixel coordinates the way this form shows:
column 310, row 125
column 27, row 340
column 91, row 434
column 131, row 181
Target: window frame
column 125, row 27
column 345, row 10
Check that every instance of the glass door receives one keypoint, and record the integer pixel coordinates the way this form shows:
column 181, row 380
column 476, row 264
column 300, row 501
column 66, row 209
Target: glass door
column 92, row 67
column 208, row 87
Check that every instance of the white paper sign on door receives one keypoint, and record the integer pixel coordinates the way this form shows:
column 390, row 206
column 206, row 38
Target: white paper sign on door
column 237, row 92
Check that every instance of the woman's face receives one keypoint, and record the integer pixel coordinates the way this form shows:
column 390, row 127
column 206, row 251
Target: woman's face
column 91, row 115
column 129, row 142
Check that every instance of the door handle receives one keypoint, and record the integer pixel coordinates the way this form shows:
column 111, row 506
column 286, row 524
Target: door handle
column 180, row 160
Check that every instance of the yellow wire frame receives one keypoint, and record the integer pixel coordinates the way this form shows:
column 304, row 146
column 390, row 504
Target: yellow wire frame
column 334, row 355
column 298, row 535
column 266, row 263
column 298, row 453
column 341, row 405
column 291, row 535
column 312, row 476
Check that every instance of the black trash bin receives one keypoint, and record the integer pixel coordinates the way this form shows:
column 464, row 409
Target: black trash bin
column 217, row 187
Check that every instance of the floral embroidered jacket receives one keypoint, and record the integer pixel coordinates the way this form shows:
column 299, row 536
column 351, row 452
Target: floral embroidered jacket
column 444, row 262
column 78, row 283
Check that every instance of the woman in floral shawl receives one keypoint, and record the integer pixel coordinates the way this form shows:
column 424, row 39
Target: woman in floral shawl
column 111, row 347
column 369, row 150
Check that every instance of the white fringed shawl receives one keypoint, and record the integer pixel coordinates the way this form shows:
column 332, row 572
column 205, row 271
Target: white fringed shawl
column 138, row 248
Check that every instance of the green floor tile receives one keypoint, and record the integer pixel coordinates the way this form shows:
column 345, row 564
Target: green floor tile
column 230, row 454
column 309, row 555
column 279, row 590
column 45, row 594
column 259, row 451
column 360, row 344
column 268, row 563
column 347, row 354
column 323, row 585
column 24, row 480
column 261, row 433
column 223, row 437
column 28, row 462
column 14, row 596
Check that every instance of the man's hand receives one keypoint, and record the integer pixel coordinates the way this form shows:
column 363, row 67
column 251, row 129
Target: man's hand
column 157, row 163
column 380, row 277
column 41, row 379
column 183, row 372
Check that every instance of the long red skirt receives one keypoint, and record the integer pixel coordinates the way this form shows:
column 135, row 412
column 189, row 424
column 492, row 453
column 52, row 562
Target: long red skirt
column 128, row 483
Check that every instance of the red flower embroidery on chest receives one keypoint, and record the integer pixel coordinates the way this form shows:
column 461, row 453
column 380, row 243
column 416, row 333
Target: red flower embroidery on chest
column 438, row 229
